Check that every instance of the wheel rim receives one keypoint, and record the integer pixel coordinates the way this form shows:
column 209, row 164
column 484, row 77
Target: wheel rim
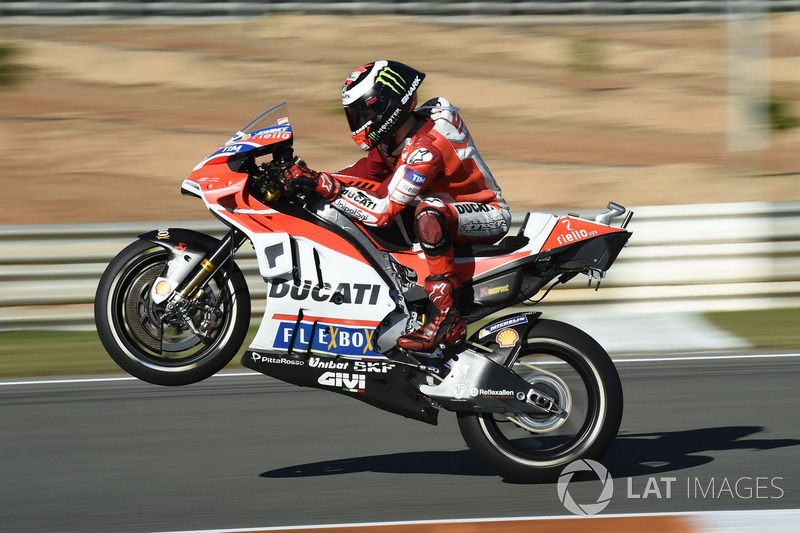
column 555, row 388
column 140, row 326
column 566, row 374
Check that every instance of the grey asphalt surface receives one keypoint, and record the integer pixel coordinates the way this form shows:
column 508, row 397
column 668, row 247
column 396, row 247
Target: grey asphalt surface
column 247, row 451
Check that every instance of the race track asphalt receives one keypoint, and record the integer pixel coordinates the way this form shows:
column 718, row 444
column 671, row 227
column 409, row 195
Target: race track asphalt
column 245, row 451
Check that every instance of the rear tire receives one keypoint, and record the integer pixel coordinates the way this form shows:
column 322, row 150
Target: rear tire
column 575, row 370
column 159, row 348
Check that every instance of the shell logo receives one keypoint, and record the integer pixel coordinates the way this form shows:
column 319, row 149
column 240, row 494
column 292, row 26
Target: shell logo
column 507, row 337
column 163, row 288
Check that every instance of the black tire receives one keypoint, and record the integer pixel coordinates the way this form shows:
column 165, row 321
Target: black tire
column 133, row 333
column 573, row 368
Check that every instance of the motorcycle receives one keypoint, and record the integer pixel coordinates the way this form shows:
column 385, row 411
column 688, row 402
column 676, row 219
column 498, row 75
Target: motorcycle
column 530, row 394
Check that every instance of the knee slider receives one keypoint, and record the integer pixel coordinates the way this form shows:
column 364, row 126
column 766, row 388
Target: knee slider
column 432, row 230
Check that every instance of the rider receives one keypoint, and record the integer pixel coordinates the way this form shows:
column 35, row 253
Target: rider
column 421, row 152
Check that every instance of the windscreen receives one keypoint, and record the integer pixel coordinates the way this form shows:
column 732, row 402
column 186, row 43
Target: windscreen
column 259, row 137
column 275, row 116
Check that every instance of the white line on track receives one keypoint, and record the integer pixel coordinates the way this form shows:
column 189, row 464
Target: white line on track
column 703, row 357
column 617, row 360
column 779, row 519
column 108, row 379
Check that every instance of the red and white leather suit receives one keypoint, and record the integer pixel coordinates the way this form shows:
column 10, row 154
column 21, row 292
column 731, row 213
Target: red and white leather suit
column 438, row 163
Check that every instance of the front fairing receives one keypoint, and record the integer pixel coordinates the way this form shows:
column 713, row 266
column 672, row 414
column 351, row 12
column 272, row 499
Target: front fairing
column 269, row 132
column 224, row 186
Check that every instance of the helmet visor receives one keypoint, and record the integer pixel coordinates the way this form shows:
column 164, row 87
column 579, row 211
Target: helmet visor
column 359, row 115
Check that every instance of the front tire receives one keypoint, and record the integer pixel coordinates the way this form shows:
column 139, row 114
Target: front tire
column 576, row 371
column 155, row 346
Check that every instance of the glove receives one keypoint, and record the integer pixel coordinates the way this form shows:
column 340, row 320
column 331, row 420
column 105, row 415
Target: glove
column 300, row 178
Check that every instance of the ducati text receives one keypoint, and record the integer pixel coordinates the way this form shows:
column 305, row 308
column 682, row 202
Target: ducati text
column 345, row 293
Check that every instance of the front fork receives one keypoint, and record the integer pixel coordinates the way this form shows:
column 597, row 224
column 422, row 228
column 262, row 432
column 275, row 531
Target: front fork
column 181, row 286
column 193, row 287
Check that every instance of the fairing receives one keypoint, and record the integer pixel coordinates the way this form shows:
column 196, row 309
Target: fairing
column 338, row 288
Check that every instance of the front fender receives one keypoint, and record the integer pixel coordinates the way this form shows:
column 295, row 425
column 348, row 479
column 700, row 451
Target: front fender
column 188, row 249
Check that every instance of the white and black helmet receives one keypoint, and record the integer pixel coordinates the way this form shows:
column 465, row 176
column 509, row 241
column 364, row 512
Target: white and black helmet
column 378, row 98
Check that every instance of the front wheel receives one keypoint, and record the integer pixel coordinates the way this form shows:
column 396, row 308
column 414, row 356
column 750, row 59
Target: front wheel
column 169, row 348
column 576, row 371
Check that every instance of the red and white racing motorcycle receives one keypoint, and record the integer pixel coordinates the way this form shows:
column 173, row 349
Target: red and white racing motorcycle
column 531, row 394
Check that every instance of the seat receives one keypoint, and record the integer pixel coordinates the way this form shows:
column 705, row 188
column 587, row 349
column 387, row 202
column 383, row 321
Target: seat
column 509, row 244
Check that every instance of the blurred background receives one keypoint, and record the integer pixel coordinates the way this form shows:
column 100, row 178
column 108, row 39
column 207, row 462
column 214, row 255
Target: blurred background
column 105, row 110
column 686, row 112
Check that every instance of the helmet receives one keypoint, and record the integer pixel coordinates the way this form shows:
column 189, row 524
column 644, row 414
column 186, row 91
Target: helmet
column 378, row 98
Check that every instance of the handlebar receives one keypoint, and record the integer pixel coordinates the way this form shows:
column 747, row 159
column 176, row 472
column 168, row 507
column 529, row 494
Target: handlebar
column 267, row 183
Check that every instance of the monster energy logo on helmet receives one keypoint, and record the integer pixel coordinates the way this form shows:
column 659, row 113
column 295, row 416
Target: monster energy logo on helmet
column 377, row 98
column 391, row 79
column 387, row 125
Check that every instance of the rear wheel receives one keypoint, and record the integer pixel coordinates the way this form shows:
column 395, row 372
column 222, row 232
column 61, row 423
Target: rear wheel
column 174, row 347
column 569, row 366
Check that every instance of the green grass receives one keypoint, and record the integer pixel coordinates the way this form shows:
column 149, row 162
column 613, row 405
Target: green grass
column 773, row 329
column 56, row 353
column 37, row 353
column 11, row 71
column 586, row 55
column 27, row 353
column 780, row 115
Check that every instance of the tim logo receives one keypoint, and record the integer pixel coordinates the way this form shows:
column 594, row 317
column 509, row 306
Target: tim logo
column 414, row 177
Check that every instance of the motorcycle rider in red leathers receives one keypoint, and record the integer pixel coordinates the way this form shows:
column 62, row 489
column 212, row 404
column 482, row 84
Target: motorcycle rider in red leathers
column 421, row 152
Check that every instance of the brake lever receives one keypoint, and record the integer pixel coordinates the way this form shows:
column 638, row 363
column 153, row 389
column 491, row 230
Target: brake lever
column 270, row 182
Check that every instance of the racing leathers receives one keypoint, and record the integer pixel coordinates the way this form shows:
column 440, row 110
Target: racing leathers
column 459, row 202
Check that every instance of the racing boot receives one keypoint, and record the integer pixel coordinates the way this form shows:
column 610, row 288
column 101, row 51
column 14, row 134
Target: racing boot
column 445, row 325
